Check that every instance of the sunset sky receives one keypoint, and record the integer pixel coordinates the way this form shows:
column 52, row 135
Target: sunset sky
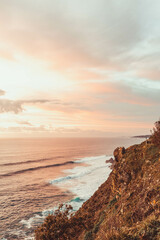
column 71, row 68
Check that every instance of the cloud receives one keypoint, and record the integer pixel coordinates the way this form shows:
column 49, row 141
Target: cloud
column 24, row 123
column 7, row 105
column 84, row 75
column 80, row 34
column 2, row 92
column 123, row 92
column 62, row 130
column 13, row 129
column 18, row 106
column 108, row 51
column 74, row 132
column 10, row 106
column 152, row 74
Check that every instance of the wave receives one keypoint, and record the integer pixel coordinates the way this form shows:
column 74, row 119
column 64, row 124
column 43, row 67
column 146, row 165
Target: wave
column 30, row 161
column 77, row 199
column 36, row 168
column 93, row 158
column 88, row 178
column 83, row 172
column 70, row 177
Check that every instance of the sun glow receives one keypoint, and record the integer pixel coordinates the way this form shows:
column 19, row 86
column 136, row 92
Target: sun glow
column 21, row 77
column 72, row 65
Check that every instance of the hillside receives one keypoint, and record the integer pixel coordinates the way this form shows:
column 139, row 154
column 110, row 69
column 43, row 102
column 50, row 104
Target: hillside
column 126, row 206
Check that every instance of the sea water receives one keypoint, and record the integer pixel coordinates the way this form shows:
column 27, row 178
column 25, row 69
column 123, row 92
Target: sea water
column 36, row 175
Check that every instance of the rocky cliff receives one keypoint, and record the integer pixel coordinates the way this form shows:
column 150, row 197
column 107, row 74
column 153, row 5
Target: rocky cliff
column 126, row 206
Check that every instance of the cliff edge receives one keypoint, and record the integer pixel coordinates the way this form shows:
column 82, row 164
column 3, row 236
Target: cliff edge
column 126, row 206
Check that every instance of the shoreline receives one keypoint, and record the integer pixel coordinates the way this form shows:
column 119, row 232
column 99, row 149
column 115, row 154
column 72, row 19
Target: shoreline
column 46, row 198
column 125, row 206
column 77, row 191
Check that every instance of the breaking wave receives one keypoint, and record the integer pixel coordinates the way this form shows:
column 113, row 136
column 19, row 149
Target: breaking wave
column 36, row 168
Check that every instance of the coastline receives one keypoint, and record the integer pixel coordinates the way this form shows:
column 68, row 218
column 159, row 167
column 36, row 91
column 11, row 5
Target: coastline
column 80, row 182
column 34, row 190
column 125, row 206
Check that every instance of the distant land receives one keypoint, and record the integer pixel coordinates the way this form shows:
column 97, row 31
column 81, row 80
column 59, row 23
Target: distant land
column 142, row 136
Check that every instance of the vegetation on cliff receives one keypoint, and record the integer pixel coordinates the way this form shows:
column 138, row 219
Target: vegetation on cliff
column 156, row 134
column 126, row 206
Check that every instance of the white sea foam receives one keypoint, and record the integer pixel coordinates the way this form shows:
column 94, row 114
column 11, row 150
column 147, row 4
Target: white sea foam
column 20, row 234
column 82, row 181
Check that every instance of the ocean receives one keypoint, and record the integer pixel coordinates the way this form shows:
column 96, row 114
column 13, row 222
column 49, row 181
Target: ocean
column 36, row 175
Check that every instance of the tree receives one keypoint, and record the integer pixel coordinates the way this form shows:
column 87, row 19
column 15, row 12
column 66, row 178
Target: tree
column 156, row 134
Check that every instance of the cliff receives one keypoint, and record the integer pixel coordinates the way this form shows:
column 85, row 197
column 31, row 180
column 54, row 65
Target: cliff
column 126, row 206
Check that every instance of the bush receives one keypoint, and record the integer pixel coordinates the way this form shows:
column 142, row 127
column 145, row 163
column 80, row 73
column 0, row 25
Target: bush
column 55, row 226
column 62, row 225
column 156, row 134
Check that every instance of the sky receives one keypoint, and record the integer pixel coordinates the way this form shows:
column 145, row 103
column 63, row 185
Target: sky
column 71, row 68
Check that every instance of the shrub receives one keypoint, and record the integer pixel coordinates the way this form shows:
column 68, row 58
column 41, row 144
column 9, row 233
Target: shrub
column 156, row 134
column 55, row 226
column 62, row 225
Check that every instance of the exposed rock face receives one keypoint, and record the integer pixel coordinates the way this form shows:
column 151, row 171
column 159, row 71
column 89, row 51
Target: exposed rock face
column 118, row 153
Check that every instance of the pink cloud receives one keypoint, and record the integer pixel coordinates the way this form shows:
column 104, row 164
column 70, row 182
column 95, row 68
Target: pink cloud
column 153, row 74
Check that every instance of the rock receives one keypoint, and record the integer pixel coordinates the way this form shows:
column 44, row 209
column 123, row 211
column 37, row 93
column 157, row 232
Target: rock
column 111, row 160
column 118, row 153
